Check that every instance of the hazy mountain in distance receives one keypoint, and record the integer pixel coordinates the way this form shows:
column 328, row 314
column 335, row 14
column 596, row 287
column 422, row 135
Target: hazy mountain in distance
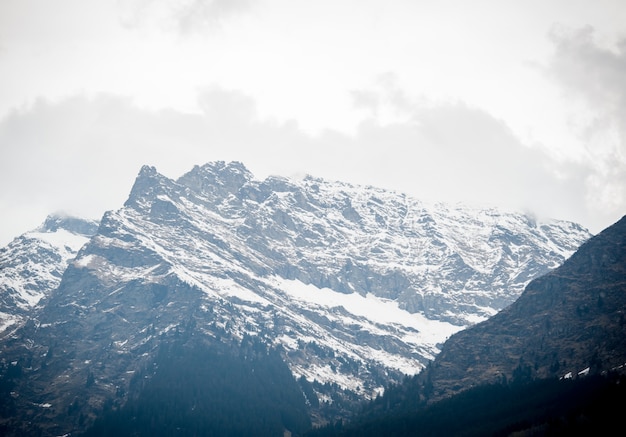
column 32, row 264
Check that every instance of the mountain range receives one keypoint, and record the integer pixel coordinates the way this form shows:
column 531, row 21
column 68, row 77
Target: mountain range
column 350, row 287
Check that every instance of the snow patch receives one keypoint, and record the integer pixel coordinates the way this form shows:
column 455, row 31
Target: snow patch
column 61, row 239
column 7, row 320
column 370, row 307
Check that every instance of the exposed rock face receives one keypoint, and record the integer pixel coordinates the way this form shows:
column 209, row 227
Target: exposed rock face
column 355, row 286
column 568, row 321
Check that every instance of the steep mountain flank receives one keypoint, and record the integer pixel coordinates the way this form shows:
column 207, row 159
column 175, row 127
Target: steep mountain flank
column 570, row 321
column 552, row 363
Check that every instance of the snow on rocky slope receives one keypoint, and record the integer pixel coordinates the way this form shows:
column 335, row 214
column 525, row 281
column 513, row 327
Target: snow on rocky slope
column 31, row 266
column 356, row 284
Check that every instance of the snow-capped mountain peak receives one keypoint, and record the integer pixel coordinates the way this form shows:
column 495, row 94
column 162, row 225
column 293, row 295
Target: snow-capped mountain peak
column 311, row 261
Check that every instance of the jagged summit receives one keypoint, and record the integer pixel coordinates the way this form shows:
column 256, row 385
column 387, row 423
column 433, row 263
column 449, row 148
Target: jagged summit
column 220, row 172
column 216, row 179
column 148, row 184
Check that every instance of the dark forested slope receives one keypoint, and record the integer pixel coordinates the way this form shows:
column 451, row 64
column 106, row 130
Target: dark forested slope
column 193, row 388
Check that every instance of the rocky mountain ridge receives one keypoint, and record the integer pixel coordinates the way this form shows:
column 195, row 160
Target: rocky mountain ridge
column 355, row 286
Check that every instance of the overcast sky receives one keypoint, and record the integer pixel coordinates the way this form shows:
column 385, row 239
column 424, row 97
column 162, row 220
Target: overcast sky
column 518, row 104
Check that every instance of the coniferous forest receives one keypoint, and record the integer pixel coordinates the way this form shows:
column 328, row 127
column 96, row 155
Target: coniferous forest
column 592, row 405
column 195, row 389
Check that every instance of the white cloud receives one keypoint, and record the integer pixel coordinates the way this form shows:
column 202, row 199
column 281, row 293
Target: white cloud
column 591, row 76
column 183, row 16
